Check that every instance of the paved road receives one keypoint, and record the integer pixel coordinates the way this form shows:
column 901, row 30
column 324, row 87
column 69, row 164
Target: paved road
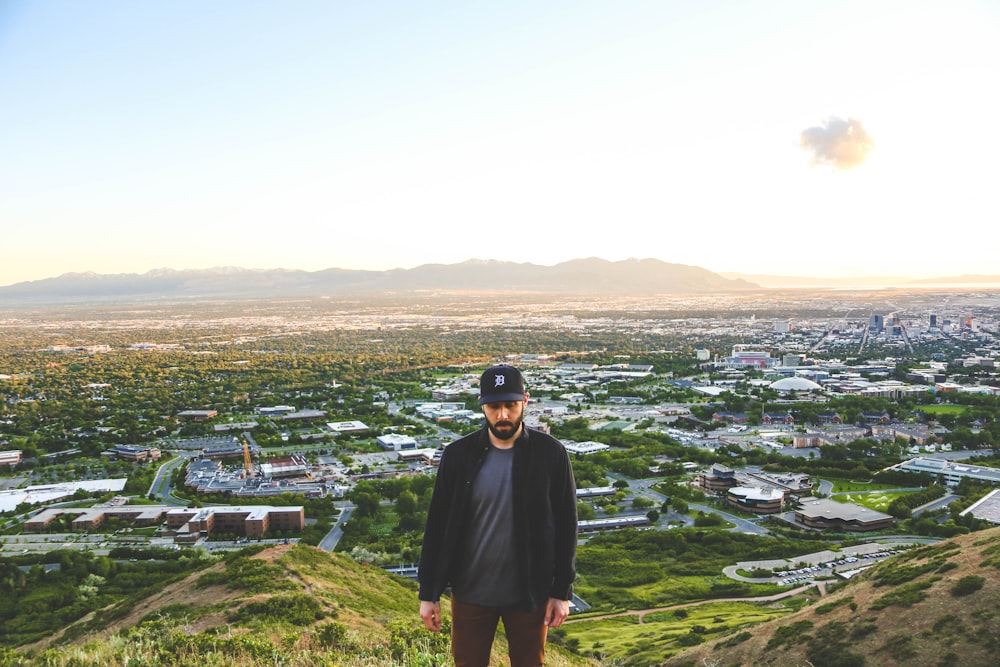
column 742, row 525
column 160, row 488
column 329, row 543
column 940, row 503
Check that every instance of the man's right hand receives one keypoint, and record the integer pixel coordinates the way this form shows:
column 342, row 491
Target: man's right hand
column 430, row 614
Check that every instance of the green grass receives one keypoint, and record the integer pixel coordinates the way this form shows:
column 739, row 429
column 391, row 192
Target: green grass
column 658, row 636
column 840, row 486
column 666, row 590
column 956, row 410
column 876, row 501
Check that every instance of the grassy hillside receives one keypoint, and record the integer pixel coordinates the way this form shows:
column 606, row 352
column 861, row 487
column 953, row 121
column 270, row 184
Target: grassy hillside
column 294, row 606
column 934, row 606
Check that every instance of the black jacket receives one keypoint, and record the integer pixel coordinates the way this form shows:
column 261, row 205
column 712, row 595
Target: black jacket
column 545, row 527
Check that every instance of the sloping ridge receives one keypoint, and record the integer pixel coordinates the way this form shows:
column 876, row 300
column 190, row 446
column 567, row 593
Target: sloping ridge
column 355, row 594
column 296, row 599
column 931, row 606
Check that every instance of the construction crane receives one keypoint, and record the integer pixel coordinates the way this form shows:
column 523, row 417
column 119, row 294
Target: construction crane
column 247, row 463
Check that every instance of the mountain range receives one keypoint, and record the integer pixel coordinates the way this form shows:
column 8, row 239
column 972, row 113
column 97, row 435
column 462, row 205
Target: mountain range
column 591, row 276
column 582, row 276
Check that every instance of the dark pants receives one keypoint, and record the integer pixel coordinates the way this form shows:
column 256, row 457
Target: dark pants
column 474, row 626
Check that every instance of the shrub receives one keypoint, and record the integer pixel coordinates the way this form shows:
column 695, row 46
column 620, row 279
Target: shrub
column 830, row 606
column 333, row 636
column 297, row 609
column 789, row 634
column 690, row 639
column 906, row 595
column 900, row 647
column 736, row 639
column 967, row 585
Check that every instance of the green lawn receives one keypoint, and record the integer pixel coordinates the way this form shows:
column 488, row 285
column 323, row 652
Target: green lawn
column 840, row 486
column 876, row 501
column 943, row 409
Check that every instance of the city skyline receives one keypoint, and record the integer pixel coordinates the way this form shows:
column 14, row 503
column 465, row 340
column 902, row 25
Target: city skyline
column 786, row 138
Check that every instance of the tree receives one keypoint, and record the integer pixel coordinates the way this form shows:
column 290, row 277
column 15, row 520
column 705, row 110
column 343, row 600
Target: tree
column 406, row 503
column 367, row 503
column 641, row 503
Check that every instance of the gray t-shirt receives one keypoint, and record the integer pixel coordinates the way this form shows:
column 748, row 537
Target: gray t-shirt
column 488, row 575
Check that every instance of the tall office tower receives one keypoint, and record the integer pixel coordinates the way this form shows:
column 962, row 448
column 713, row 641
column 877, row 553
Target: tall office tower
column 933, row 320
column 876, row 323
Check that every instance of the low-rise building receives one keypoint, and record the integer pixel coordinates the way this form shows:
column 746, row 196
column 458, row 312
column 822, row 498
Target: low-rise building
column 352, row 426
column 591, row 525
column 234, row 426
column 190, row 524
column 10, row 457
column 756, row 500
column 93, row 517
column 286, row 466
column 986, row 508
column 829, row 514
column 275, row 411
column 304, row 415
column 198, row 415
column 950, row 472
column 134, row 453
column 718, row 479
column 595, row 491
column 396, row 442
column 789, row 483
column 777, row 418
column 586, row 447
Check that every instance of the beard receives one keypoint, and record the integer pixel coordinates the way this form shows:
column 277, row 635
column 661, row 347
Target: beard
column 505, row 430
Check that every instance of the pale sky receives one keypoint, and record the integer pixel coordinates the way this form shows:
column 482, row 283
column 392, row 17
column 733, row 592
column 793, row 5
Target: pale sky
column 377, row 135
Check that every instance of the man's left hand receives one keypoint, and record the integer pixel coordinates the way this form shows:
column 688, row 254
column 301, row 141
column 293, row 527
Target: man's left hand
column 556, row 612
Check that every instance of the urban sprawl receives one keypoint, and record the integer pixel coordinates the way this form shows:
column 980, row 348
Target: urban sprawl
column 754, row 385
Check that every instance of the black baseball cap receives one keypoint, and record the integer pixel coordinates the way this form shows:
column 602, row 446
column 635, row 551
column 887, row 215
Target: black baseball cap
column 501, row 383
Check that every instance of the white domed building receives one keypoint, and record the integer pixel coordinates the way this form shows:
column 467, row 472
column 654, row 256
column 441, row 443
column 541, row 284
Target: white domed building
column 786, row 385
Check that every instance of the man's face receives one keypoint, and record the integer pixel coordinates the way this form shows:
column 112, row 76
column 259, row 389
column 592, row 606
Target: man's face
column 503, row 418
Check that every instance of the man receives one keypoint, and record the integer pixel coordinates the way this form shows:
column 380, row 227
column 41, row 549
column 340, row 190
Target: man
column 501, row 531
